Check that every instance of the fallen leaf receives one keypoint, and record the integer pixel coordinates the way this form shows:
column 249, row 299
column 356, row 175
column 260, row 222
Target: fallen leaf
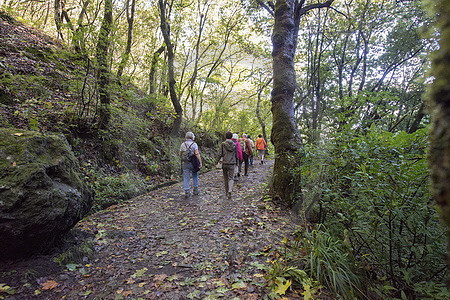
column 49, row 284
column 239, row 285
column 281, row 288
column 160, row 277
column 18, row 133
column 139, row 273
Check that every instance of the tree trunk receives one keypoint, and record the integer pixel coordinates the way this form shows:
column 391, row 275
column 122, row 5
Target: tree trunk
column 285, row 135
column 165, row 29
column 130, row 20
column 258, row 111
column 440, row 134
column 102, row 67
column 78, row 35
column 58, row 19
column 153, row 69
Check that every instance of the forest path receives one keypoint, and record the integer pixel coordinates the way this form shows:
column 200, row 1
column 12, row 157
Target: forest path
column 163, row 246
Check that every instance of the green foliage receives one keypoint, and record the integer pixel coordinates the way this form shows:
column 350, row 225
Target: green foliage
column 110, row 190
column 375, row 189
column 330, row 263
column 280, row 276
column 74, row 255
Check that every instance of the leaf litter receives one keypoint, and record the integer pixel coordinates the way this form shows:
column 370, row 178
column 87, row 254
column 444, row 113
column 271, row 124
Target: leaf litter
column 163, row 246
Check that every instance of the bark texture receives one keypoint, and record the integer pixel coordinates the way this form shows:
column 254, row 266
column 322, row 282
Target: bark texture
column 285, row 136
column 440, row 134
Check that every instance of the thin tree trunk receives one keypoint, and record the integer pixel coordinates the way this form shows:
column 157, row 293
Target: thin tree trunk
column 58, row 19
column 126, row 54
column 258, row 111
column 153, row 69
column 165, row 29
column 102, row 66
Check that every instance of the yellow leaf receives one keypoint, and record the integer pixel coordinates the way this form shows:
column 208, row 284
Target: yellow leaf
column 281, row 288
column 141, row 284
column 127, row 293
column 49, row 284
column 18, row 133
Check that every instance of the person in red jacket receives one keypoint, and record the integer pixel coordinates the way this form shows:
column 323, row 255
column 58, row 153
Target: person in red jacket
column 261, row 146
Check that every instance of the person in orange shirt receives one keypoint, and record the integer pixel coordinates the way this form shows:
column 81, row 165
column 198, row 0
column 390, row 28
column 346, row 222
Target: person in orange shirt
column 261, row 146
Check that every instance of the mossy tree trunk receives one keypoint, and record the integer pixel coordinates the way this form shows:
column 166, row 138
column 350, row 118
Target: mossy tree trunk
column 102, row 67
column 285, row 135
column 440, row 134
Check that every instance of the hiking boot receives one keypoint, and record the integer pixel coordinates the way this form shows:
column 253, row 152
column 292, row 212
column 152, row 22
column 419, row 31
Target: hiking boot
column 187, row 194
column 196, row 191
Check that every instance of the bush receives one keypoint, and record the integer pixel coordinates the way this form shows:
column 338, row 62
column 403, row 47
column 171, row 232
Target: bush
column 110, row 190
column 376, row 187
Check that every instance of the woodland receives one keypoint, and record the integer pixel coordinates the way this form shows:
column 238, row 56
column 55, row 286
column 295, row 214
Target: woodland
column 352, row 97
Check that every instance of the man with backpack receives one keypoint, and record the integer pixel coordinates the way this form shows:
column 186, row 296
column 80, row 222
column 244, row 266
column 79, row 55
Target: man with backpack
column 190, row 163
column 228, row 154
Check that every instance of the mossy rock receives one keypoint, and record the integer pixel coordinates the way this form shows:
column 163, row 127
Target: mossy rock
column 42, row 195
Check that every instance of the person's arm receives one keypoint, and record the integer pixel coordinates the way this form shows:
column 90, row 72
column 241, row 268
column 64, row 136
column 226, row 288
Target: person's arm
column 219, row 156
column 198, row 157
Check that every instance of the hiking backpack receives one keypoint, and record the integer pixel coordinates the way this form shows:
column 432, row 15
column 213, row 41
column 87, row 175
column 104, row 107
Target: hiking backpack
column 186, row 155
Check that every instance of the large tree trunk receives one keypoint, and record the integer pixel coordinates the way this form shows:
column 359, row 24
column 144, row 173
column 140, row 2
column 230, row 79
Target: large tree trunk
column 440, row 134
column 102, row 66
column 285, row 135
column 165, row 29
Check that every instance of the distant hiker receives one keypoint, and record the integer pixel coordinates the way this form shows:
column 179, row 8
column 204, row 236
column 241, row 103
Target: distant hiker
column 237, row 169
column 246, row 152
column 229, row 155
column 261, row 146
column 188, row 149
column 250, row 159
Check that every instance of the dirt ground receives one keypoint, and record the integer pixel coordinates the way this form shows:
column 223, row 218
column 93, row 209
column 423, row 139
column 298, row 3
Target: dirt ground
column 163, row 246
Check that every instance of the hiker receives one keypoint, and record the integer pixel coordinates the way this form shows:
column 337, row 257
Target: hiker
column 247, row 151
column 187, row 149
column 250, row 159
column 261, row 146
column 229, row 155
column 237, row 169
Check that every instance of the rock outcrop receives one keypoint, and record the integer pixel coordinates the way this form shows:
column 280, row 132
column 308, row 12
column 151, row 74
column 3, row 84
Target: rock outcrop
column 42, row 194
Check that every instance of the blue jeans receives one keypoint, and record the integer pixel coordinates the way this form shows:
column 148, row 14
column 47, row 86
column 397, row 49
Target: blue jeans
column 187, row 170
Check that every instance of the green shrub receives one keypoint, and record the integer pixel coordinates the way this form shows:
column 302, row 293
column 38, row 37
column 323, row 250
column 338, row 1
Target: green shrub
column 110, row 190
column 330, row 263
column 375, row 187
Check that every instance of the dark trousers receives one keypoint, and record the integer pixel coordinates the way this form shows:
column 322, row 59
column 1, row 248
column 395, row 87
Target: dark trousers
column 245, row 156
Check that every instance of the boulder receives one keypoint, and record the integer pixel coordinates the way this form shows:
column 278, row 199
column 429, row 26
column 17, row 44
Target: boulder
column 42, row 194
